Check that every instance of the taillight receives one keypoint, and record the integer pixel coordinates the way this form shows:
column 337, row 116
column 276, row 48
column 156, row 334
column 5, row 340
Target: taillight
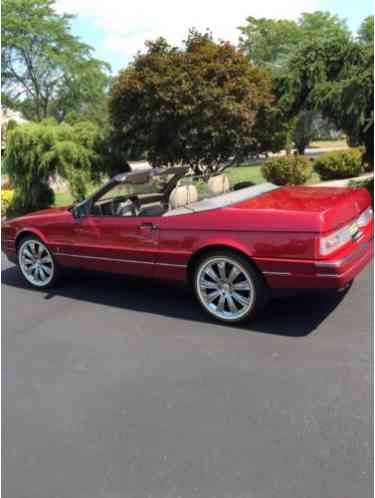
column 339, row 238
column 365, row 217
column 335, row 240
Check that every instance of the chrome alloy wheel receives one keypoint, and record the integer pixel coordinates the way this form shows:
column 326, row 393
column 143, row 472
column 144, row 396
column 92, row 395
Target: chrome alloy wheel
column 225, row 288
column 36, row 263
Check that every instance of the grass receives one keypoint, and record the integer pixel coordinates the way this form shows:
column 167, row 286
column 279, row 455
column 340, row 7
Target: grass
column 245, row 173
column 328, row 144
column 254, row 174
column 63, row 199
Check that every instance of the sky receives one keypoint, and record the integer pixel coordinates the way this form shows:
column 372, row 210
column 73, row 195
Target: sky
column 117, row 29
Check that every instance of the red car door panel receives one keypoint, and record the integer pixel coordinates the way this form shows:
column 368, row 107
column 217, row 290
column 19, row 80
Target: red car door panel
column 115, row 243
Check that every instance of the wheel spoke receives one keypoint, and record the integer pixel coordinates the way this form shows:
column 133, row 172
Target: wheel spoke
column 46, row 259
column 211, row 273
column 27, row 260
column 244, row 285
column 33, row 249
column 30, row 268
column 240, row 299
column 221, row 303
column 39, row 274
column 212, row 296
column 232, row 307
column 205, row 284
column 233, row 274
column 46, row 270
column 43, row 273
column 27, row 253
column 221, row 268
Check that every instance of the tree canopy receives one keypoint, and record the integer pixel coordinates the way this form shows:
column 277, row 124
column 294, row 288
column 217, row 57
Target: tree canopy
column 46, row 71
column 335, row 75
column 272, row 42
column 318, row 69
column 196, row 105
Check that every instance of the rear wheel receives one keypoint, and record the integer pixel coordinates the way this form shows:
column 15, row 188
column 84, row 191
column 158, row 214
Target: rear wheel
column 228, row 287
column 36, row 263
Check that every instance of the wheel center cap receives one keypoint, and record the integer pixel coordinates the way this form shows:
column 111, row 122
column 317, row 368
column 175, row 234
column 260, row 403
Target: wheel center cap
column 226, row 287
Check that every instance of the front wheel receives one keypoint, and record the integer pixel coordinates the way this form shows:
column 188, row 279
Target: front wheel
column 228, row 287
column 36, row 263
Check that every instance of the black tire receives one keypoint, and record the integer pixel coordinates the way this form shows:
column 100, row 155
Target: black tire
column 258, row 294
column 52, row 279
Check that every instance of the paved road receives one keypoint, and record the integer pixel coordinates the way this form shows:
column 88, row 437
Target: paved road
column 123, row 389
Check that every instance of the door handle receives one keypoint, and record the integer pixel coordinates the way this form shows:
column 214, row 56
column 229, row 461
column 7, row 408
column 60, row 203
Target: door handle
column 148, row 226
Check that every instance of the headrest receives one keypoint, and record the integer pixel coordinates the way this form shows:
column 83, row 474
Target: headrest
column 218, row 184
column 183, row 195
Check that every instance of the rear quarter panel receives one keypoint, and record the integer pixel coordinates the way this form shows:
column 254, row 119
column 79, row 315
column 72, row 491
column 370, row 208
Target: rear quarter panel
column 182, row 236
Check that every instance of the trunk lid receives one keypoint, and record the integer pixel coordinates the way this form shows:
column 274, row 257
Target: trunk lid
column 313, row 209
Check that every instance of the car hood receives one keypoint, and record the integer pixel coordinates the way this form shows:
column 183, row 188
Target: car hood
column 38, row 215
column 319, row 209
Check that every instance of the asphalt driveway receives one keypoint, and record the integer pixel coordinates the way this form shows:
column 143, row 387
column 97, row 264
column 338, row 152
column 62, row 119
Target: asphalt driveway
column 118, row 388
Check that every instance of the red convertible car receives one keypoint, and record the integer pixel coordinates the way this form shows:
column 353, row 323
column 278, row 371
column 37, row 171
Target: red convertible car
column 233, row 244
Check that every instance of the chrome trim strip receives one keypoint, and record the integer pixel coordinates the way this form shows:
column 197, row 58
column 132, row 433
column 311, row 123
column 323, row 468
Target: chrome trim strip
column 117, row 260
column 276, row 273
column 170, row 264
column 8, row 240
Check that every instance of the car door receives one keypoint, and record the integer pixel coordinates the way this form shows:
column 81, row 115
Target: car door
column 124, row 244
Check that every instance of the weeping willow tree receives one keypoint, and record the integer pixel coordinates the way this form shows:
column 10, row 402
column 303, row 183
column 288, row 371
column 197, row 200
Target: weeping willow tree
column 35, row 152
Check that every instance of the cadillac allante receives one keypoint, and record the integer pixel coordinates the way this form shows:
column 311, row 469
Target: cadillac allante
column 233, row 244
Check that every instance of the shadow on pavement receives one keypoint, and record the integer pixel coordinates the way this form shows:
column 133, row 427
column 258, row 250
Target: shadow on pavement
column 295, row 316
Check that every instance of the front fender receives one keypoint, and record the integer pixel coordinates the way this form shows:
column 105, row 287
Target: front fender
column 30, row 231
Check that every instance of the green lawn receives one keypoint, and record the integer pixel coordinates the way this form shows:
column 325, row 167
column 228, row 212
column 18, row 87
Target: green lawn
column 328, row 144
column 245, row 173
column 254, row 174
column 62, row 199
column 65, row 199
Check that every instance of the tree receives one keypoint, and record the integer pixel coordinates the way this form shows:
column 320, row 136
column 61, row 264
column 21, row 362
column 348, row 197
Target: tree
column 46, row 71
column 196, row 105
column 269, row 42
column 335, row 77
column 304, row 130
column 37, row 151
column 273, row 44
column 366, row 30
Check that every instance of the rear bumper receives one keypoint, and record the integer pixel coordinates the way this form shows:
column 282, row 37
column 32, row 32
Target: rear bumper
column 305, row 274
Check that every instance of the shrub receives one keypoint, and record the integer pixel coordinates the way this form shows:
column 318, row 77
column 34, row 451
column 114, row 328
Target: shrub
column 368, row 184
column 6, row 199
column 338, row 165
column 289, row 170
column 37, row 151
